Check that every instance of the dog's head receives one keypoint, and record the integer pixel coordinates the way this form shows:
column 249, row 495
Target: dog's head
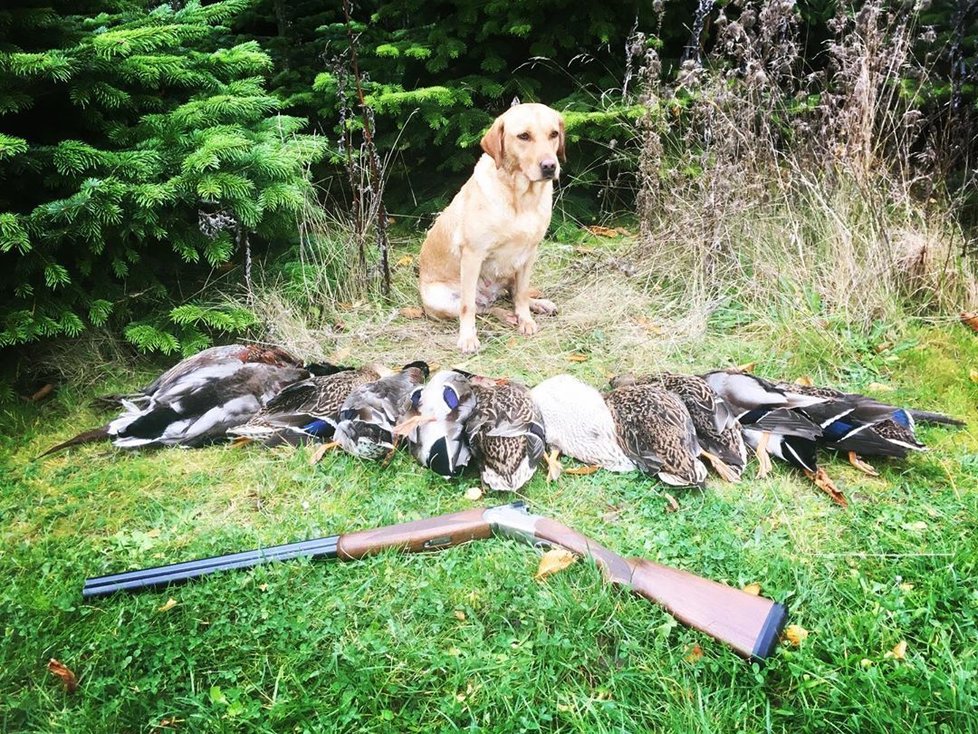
column 527, row 138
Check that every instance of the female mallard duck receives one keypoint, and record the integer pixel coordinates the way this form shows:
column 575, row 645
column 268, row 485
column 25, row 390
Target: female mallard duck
column 506, row 433
column 579, row 424
column 717, row 429
column 307, row 410
column 656, row 432
column 199, row 399
column 370, row 412
column 434, row 423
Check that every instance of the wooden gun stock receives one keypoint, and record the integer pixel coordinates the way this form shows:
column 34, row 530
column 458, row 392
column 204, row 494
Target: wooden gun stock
column 748, row 624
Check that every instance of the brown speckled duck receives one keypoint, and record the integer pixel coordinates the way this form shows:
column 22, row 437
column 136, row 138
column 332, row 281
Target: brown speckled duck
column 656, row 432
column 719, row 433
column 506, row 433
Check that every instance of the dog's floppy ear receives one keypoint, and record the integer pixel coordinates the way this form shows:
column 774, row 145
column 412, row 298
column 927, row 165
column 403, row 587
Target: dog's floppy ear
column 561, row 149
column 492, row 142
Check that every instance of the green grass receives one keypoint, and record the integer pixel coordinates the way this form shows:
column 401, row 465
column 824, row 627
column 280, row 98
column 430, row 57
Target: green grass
column 466, row 639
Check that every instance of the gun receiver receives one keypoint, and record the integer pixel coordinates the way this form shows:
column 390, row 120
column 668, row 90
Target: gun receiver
column 748, row 624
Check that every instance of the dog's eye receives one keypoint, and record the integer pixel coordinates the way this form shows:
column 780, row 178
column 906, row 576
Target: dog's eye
column 524, row 136
column 450, row 397
column 554, row 134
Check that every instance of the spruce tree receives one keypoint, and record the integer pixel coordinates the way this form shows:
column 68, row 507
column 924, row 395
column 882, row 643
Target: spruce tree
column 139, row 149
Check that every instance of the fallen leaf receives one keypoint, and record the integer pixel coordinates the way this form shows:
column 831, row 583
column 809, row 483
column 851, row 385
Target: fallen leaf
column 340, row 355
column 577, row 357
column 412, row 312
column 45, row 390
column 650, row 326
column 746, row 367
column 553, row 561
column 673, row 505
column 170, row 722
column 881, row 387
column 899, row 651
column 695, row 653
column 404, row 260
column 582, row 470
column 612, row 515
column 459, row 615
column 824, row 482
column 473, row 493
column 795, row 634
column 68, row 678
column 970, row 320
column 917, row 527
column 170, row 603
column 753, row 589
column 866, row 663
column 318, row 453
column 973, row 375
column 804, row 381
column 598, row 230
column 906, row 587
column 154, row 533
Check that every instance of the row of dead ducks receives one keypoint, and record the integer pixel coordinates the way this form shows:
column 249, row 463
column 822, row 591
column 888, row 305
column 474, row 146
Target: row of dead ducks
column 667, row 425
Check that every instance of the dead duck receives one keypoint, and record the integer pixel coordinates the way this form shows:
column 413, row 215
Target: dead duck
column 656, row 432
column 434, row 423
column 244, row 353
column 307, row 410
column 196, row 401
column 506, row 433
column 852, row 423
column 578, row 424
column 717, row 429
column 370, row 412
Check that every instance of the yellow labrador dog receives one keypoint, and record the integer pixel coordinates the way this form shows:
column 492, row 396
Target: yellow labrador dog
column 486, row 241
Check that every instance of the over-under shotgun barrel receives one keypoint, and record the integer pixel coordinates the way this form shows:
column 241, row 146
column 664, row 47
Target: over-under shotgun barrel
column 748, row 624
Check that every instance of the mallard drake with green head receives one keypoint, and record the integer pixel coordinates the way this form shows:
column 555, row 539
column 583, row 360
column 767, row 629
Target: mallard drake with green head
column 434, row 423
column 307, row 410
column 656, row 432
column 717, row 429
column 370, row 412
column 506, row 433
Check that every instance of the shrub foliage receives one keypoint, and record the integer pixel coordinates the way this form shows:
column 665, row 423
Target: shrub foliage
column 140, row 149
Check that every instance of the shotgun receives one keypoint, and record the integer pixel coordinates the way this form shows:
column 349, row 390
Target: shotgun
column 749, row 624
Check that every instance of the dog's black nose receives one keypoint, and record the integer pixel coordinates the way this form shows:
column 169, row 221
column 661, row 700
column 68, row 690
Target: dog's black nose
column 548, row 168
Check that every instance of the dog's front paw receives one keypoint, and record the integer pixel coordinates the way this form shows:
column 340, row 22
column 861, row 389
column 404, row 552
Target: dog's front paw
column 543, row 306
column 468, row 342
column 528, row 327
